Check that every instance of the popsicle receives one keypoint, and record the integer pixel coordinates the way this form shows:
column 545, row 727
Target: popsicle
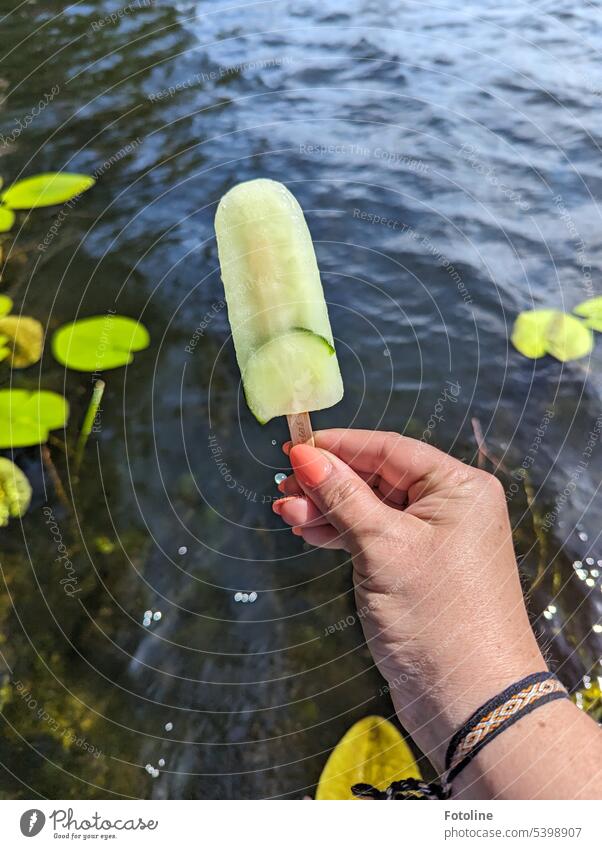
column 278, row 315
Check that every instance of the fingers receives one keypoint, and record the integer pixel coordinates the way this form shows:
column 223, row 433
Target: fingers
column 341, row 495
column 290, row 487
column 299, row 511
column 402, row 462
column 389, row 494
column 324, row 537
column 308, row 522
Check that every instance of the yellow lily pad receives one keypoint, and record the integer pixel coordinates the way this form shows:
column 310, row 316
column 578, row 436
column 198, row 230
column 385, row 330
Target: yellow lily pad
column 6, row 305
column 46, row 190
column 15, row 492
column 372, row 752
column 22, row 338
column 591, row 311
column 568, row 338
column 540, row 332
column 529, row 333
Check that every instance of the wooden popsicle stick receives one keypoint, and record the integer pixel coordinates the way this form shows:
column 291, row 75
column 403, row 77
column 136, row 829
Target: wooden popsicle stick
column 299, row 425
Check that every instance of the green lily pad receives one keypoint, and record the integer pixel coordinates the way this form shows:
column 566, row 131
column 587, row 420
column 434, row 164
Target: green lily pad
column 15, row 492
column 26, row 418
column 99, row 343
column 591, row 310
column 24, row 339
column 540, row 332
column 46, row 190
column 7, row 219
column 6, row 305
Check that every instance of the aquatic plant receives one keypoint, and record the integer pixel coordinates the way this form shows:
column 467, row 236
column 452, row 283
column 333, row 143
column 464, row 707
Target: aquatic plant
column 99, row 343
column 591, row 310
column 589, row 699
column 7, row 219
column 87, row 426
column 15, row 492
column 6, row 305
column 560, row 334
column 47, row 189
column 21, row 337
column 372, row 752
column 26, row 418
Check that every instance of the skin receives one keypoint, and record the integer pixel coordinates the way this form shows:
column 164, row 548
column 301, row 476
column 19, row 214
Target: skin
column 437, row 584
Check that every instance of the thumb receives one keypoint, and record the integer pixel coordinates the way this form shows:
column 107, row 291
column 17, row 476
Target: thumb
column 344, row 498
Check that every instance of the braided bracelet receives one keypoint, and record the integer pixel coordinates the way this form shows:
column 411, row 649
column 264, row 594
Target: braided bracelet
column 481, row 728
column 496, row 716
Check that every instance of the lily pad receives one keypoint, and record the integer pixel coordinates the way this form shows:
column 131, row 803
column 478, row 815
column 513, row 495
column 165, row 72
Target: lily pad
column 99, row 343
column 529, row 333
column 26, row 418
column 7, row 219
column 6, row 305
column 15, row 492
column 46, row 190
column 591, row 311
column 23, row 337
column 540, row 332
column 371, row 752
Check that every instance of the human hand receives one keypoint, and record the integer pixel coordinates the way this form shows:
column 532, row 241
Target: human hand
column 436, row 581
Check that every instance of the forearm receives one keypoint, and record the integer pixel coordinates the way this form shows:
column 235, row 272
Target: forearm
column 443, row 700
column 554, row 752
column 437, row 690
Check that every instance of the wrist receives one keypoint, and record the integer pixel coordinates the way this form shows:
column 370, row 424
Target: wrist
column 440, row 703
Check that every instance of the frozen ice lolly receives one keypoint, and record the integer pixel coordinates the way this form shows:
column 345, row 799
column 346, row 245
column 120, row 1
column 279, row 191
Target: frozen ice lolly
column 282, row 336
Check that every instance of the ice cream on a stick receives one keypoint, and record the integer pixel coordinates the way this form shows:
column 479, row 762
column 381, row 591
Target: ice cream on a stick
column 279, row 319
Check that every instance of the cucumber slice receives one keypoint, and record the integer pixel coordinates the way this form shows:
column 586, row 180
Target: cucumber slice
column 289, row 372
column 268, row 266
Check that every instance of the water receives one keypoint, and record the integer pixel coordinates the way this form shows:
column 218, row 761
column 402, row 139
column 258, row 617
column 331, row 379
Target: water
column 448, row 160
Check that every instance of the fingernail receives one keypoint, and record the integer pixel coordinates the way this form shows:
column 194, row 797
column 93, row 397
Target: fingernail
column 277, row 506
column 310, row 466
column 280, row 486
column 297, row 531
column 286, row 447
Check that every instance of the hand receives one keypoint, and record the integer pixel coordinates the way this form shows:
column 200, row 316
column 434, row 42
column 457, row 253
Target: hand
column 436, row 581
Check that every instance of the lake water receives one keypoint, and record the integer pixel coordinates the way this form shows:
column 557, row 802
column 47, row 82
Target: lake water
column 447, row 157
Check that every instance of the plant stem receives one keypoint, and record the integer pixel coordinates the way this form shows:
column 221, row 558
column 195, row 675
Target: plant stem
column 55, row 478
column 97, row 393
column 540, row 535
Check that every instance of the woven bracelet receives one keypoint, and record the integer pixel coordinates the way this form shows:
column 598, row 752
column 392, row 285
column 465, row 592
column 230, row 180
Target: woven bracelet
column 481, row 728
column 496, row 716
